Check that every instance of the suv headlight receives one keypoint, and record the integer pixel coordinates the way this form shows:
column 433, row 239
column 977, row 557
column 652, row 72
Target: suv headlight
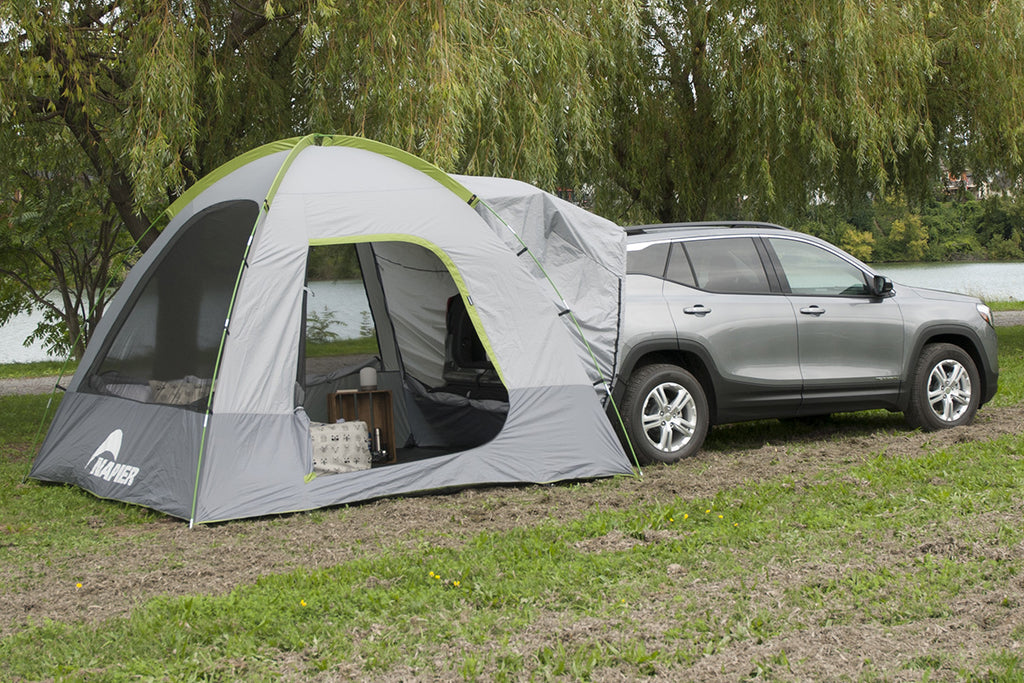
column 986, row 313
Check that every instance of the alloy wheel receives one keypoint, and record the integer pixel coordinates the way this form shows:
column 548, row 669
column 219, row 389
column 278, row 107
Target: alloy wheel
column 949, row 390
column 669, row 417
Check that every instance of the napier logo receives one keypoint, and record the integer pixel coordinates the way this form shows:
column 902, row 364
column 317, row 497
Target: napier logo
column 104, row 465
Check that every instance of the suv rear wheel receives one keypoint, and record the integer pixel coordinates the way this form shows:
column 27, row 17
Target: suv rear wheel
column 665, row 413
column 946, row 388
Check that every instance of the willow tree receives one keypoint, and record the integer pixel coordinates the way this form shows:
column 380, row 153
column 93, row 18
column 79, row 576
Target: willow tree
column 743, row 108
column 140, row 99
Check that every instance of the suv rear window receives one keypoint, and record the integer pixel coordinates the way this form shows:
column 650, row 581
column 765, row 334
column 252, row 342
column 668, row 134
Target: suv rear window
column 648, row 260
column 679, row 269
column 730, row 265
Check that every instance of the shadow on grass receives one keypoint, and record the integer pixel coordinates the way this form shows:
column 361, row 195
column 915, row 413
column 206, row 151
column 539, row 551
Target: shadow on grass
column 751, row 435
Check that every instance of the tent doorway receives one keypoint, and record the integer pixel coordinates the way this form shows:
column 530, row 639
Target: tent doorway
column 395, row 307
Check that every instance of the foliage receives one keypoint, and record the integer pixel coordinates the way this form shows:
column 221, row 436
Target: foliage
column 156, row 95
column 138, row 100
column 62, row 251
column 672, row 109
column 895, row 229
column 490, row 88
column 318, row 326
column 858, row 243
column 740, row 109
column 333, row 262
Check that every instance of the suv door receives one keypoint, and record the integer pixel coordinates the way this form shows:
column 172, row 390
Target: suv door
column 850, row 341
column 723, row 301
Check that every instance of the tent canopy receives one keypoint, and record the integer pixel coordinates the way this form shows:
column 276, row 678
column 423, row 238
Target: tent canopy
column 193, row 396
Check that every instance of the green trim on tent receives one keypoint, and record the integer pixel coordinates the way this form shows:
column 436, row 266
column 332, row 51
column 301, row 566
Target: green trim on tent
column 223, row 170
column 325, row 141
column 460, row 284
column 405, row 157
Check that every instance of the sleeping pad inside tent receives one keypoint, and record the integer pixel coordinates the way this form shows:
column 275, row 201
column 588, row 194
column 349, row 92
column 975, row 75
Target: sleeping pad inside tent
column 494, row 307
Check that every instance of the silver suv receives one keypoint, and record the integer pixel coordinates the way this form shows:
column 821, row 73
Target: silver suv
column 727, row 322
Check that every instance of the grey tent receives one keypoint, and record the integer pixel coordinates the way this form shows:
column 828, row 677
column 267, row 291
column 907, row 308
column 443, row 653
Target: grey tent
column 193, row 397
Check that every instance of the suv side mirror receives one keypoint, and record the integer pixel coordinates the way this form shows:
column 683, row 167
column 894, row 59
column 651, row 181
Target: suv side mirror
column 881, row 286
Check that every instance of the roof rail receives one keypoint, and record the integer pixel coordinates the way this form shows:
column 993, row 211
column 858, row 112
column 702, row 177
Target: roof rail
column 641, row 229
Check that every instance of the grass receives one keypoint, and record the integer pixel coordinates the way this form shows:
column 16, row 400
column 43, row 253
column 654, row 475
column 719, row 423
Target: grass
column 1011, row 305
column 1011, row 366
column 894, row 543
column 465, row 612
column 343, row 347
column 38, row 369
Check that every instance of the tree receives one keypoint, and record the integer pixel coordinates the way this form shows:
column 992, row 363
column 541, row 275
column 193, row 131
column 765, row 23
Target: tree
column 56, row 251
column 141, row 99
column 744, row 108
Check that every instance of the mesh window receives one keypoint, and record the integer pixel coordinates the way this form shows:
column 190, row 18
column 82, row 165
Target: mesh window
column 166, row 341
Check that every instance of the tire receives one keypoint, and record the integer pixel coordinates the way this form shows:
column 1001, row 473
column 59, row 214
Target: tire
column 945, row 390
column 665, row 412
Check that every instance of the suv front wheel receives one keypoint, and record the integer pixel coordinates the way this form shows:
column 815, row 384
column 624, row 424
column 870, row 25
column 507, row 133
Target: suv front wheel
column 946, row 388
column 665, row 413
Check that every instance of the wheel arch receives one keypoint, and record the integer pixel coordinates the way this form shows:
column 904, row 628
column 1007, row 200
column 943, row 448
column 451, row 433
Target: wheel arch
column 966, row 340
column 691, row 357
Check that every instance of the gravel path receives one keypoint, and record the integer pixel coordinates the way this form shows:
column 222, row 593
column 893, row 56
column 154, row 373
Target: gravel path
column 28, row 385
column 1008, row 318
column 43, row 385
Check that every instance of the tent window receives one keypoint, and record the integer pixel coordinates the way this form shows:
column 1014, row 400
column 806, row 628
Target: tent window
column 339, row 329
column 166, row 345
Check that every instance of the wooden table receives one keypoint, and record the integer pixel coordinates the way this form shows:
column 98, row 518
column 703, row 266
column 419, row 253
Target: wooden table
column 375, row 408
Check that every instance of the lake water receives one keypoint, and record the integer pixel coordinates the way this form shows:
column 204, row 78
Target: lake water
column 990, row 281
column 993, row 281
column 346, row 298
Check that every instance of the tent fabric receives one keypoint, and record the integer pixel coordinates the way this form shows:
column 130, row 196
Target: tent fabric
column 243, row 447
column 582, row 254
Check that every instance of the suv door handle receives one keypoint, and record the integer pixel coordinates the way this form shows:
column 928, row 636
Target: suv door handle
column 699, row 309
column 813, row 310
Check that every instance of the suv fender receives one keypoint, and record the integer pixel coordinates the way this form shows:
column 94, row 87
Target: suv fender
column 958, row 335
column 671, row 351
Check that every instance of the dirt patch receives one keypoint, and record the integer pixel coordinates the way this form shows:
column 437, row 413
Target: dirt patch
column 165, row 558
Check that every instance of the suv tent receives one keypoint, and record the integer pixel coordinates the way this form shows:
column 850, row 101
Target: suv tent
column 192, row 397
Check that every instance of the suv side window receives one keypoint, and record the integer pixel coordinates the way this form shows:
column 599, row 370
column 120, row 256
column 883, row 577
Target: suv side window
column 650, row 260
column 679, row 269
column 730, row 265
column 814, row 271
